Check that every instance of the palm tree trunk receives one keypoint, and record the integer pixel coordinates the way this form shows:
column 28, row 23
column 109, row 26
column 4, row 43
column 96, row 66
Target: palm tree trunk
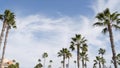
column 78, row 51
column 112, row 45
column 99, row 65
column 75, row 65
column 44, row 62
column 85, row 64
column 4, row 47
column 82, row 63
column 63, row 61
column 2, row 32
column 68, row 62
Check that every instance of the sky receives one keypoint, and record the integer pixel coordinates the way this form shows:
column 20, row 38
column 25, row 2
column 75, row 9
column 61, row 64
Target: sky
column 49, row 25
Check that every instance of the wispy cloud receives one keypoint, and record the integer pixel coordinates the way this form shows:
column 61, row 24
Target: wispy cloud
column 38, row 33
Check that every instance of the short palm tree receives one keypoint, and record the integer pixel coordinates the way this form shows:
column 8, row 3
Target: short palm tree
column 95, row 63
column 118, row 59
column 44, row 56
column 63, row 54
column 84, row 49
column 108, row 21
column 77, row 41
column 10, row 23
column 102, row 52
column 75, row 63
column 50, row 66
column 68, row 56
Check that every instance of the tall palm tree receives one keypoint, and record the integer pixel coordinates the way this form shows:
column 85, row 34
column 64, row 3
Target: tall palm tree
column 6, row 19
column 77, row 41
column 75, row 63
column 63, row 54
column 102, row 52
column 68, row 56
column 44, row 56
column 10, row 23
column 109, row 20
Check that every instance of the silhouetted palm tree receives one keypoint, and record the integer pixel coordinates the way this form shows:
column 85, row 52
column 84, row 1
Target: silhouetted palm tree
column 109, row 20
column 10, row 23
column 63, row 53
column 44, row 56
column 102, row 52
column 68, row 56
column 77, row 41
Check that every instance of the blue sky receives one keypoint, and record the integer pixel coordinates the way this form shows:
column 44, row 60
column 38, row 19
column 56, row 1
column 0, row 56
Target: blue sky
column 65, row 7
column 48, row 25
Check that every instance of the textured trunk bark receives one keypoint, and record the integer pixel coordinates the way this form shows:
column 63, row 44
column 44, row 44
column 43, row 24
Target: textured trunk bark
column 4, row 47
column 112, row 45
column 2, row 32
column 78, row 51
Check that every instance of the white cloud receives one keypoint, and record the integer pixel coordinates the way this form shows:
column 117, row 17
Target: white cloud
column 36, row 34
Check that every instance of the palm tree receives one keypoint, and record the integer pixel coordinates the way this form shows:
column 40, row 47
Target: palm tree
column 68, row 56
column 77, row 41
column 6, row 17
column 10, row 23
column 63, row 54
column 95, row 63
column 109, row 20
column 84, row 49
column 102, row 52
column 50, row 66
column 44, row 56
column 86, row 60
column 39, row 65
column 75, row 63
column 118, row 59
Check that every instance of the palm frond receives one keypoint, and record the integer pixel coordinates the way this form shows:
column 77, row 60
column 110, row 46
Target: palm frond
column 72, row 47
column 74, row 39
column 104, row 31
column 98, row 24
column 1, row 17
column 115, row 17
column 100, row 16
column 118, row 21
column 116, row 26
column 107, row 12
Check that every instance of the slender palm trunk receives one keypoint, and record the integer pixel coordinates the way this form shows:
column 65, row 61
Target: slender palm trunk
column 4, row 47
column 68, row 62
column 78, row 51
column 2, row 32
column 103, row 65
column 99, row 65
column 112, row 45
column 75, row 65
column 82, row 63
column 85, row 64
column 44, row 62
column 63, row 61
